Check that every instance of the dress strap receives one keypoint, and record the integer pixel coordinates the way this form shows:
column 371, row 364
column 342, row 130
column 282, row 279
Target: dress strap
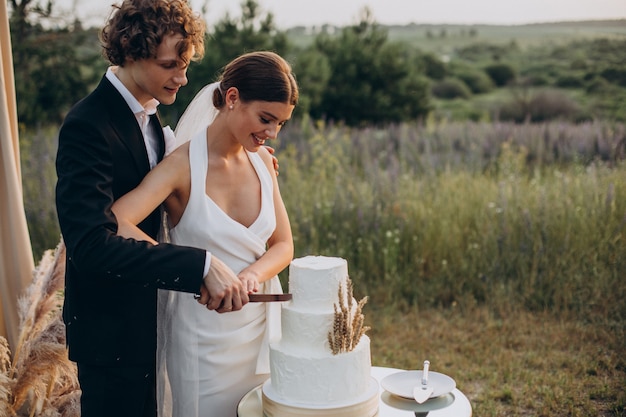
column 198, row 163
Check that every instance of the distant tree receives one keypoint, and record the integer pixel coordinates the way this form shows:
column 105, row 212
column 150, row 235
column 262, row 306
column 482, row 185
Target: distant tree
column 227, row 39
column 372, row 80
column 431, row 65
column 501, row 74
column 313, row 72
column 52, row 72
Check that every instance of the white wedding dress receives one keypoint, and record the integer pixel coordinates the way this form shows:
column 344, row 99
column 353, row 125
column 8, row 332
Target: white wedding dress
column 211, row 360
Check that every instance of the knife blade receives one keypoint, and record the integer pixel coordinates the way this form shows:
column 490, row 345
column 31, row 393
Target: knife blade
column 268, row 298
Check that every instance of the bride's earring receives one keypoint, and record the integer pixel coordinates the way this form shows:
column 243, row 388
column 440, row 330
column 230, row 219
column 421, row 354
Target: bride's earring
column 231, row 107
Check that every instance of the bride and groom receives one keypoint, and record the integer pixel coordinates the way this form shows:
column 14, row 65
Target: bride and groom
column 228, row 225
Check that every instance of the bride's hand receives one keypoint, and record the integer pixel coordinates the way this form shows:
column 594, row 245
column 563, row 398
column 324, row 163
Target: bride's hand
column 249, row 280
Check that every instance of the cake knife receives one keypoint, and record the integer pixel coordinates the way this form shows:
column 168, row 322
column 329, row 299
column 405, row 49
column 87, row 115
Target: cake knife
column 263, row 298
column 423, row 392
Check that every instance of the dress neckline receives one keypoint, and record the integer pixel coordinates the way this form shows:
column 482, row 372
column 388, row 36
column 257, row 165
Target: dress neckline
column 226, row 215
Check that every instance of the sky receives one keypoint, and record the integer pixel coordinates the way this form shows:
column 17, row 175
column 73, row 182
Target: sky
column 290, row 13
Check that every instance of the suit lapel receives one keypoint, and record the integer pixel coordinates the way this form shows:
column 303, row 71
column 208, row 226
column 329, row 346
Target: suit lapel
column 124, row 123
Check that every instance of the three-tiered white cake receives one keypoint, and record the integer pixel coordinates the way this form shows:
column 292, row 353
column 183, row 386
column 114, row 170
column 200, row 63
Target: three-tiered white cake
column 322, row 361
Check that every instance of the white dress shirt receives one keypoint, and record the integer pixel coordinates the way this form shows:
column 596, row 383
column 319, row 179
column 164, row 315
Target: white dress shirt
column 150, row 138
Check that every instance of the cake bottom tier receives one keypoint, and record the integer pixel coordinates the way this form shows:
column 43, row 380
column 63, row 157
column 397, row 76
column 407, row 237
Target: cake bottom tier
column 323, row 379
column 364, row 406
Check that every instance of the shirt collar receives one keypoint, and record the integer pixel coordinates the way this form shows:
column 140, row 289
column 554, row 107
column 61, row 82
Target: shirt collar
column 135, row 106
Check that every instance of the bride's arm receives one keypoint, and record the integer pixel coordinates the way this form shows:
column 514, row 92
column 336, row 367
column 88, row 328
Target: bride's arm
column 280, row 244
column 133, row 207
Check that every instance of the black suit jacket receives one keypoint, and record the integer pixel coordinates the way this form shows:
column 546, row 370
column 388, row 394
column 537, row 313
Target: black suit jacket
column 111, row 282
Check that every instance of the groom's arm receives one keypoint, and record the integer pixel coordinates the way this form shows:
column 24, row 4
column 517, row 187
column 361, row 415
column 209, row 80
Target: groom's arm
column 87, row 161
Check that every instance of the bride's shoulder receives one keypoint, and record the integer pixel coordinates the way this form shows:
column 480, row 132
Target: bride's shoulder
column 265, row 155
column 179, row 156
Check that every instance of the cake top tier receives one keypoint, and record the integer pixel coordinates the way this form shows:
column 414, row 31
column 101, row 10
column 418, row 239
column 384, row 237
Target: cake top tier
column 314, row 282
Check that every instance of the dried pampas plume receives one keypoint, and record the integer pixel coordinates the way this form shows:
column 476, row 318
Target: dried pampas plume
column 40, row 380
column 348, row 325
column 5, row 382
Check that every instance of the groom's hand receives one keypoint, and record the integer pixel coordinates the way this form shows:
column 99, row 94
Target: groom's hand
column 274, row 159
column 222, row 290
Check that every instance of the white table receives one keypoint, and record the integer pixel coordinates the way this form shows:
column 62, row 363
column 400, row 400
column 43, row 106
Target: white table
column 454, row 404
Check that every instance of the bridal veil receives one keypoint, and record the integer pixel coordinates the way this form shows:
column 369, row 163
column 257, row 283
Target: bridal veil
column 198, row 116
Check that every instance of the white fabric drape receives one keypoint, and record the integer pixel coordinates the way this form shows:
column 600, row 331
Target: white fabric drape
column 16, row 259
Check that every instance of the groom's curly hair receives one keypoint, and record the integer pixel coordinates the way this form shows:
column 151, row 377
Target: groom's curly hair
column 136, row 28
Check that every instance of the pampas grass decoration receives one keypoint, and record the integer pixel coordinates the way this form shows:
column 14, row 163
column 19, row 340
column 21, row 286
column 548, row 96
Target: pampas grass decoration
column 43, row 382
column 43, row 298
column 5, row 382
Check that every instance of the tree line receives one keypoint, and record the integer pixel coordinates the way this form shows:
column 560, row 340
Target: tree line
column 355, row 75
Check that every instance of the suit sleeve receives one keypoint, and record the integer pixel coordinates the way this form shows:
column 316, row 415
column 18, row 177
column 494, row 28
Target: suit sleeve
column 88, row 158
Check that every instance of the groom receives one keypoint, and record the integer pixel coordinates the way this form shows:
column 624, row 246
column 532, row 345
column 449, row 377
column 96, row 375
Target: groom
column 107, row 144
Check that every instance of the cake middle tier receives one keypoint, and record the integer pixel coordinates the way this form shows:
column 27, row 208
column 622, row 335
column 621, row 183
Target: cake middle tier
column 307, row 330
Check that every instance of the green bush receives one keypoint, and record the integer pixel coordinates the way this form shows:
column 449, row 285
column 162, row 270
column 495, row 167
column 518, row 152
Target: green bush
column 540, row 106
column 476, row 79
column 501, row 74
column 450, row 88
column 616, row 75
column 570, row 81
column 598, row 85
column 431, row 66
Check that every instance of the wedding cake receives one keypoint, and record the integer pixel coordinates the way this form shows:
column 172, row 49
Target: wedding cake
column 322, row 364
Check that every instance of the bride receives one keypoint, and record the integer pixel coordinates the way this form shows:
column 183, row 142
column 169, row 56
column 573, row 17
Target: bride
column 221, row 194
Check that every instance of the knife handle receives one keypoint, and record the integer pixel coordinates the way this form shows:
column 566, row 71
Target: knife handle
column 425, row 373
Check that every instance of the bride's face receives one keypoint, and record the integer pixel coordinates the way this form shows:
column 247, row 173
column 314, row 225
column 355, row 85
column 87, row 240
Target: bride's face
column 259, row 121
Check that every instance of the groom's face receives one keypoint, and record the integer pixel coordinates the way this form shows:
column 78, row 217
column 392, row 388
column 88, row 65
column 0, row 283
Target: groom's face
column 160, row 77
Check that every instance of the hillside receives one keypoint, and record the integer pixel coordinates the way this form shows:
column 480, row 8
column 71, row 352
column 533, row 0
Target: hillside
column 443, row 38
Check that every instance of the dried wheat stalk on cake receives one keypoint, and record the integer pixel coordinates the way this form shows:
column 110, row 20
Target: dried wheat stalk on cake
column 348, row 326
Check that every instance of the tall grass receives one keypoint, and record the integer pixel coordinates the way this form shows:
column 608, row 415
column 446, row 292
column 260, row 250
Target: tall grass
column 511, row 216
column 37, row 154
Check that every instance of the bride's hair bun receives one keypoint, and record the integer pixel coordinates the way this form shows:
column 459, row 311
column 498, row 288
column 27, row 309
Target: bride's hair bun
column 218, row 97
column 259, row 75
